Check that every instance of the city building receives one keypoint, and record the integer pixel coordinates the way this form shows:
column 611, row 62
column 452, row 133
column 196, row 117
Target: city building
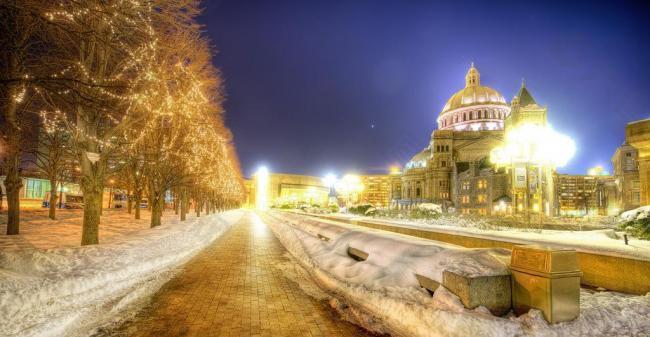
column 454, row 169
column 286, row 190
column 637, row 134
column 626, row 177
column 376, row 189
column 580, row 195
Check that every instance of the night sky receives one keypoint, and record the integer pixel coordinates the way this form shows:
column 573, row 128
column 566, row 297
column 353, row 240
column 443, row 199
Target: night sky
column 337, row 86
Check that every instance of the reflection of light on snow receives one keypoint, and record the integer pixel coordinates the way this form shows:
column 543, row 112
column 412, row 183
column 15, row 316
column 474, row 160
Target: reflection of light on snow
column 259, row 227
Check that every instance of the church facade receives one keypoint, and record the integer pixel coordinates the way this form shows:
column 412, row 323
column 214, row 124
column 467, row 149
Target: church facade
column 454, row 170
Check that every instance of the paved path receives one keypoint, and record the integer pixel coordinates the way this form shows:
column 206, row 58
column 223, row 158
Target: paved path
column 235, row 288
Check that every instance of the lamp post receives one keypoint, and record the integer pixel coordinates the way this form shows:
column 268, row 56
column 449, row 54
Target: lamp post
column 330, row 181
column 261, row 188
column 532, row 145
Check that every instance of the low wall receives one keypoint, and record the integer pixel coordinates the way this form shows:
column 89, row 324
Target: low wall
column 620, row 274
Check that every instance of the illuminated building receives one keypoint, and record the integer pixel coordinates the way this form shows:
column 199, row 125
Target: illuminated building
column 456, row 162
column 288, row 190
column 376, row 189
column 637, row 134
column 626, row 175
column 580, row 195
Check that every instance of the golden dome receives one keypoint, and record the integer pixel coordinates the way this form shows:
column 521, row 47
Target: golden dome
column 473, row 94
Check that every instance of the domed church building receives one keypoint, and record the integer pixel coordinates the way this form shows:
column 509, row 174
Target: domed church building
column 454, row 169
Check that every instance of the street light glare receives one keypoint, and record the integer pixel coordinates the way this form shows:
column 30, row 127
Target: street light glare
column 534, row 144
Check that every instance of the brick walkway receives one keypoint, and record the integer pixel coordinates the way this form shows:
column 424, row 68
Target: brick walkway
column 234, row 288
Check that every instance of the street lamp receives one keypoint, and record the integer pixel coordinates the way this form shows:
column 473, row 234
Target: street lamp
column 261, row 187
column 349, row 185
column 330, row 181
column 536, row 145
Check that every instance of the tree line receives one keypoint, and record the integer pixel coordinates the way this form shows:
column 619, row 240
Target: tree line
column 120, row 90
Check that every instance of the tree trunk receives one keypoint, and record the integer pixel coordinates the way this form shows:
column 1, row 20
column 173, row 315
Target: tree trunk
column 129, row 203
column 92, row 207
column 176, row 203
column 13, row 184
column 53, row 197
column 184, row 204
column 157, row 204
column 138, row 202
column 197, row 207
column 101, row 203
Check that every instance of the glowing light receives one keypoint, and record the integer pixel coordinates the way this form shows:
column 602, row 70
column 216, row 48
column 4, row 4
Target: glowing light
column 532, row 143
column 261, row 188
column 329, row 180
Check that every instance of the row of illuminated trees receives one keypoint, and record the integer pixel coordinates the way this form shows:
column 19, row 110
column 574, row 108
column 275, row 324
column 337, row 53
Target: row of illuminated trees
column 121, row 89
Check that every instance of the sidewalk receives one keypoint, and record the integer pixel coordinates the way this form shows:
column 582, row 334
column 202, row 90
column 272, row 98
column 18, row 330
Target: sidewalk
column 234, row 288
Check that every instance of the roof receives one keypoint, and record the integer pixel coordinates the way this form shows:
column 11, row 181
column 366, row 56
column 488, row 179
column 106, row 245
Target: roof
column 525, row 98
column 473, row 93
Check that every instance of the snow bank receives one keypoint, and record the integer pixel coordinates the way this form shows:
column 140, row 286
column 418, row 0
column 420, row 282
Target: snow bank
column 602, row 241
column 383, row 295
column 636, row 214
column 71, row 291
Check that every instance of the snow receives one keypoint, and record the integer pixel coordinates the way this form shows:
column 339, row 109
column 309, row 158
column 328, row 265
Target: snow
column 601, row 241
column 72, row 291
column 636, row 214
column 382, row 294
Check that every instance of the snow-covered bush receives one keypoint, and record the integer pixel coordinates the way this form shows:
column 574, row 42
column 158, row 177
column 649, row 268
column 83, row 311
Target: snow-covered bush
column 425, row 211
column 371, row 211
column 637, row 222
column 359, row 209
column 334, row 208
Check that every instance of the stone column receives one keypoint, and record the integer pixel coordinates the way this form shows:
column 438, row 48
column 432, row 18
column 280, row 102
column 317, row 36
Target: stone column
column 637, row 134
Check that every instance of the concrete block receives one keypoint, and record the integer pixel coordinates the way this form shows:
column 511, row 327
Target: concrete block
column 492, row 292
column 357, row 254
column 427, row 283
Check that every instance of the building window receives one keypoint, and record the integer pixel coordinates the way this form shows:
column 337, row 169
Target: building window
column 628, row 154
column 443, row 163
column 465, row 199
column 465, row 185
column 446, row 148
column 481, row 198
column 481, row 184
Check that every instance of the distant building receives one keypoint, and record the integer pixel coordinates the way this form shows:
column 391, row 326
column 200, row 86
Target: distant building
column 455, row 163
column 580, row 195
column 376, row 189
column 626, row 177
column 637, row 134
column 484, row 191
column 292, row 190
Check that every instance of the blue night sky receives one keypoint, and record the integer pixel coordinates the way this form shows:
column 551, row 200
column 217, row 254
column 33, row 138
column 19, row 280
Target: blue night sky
column 306, row 80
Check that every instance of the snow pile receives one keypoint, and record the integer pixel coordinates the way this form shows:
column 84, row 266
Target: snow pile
column 434, row 208
column 382, row 294
column 636, row 214
column 602, row 241
column 71, row 291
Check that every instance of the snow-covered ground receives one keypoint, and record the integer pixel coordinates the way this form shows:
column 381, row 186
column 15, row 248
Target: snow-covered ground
column 604, row 241
column 38, row 231
column 383, row 295
column 72, row 290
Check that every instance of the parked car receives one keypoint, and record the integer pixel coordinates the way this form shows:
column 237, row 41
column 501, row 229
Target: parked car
column 72, row 201
column 144, row 203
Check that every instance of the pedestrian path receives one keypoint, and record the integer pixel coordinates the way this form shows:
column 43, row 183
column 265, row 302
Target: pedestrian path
column 235, row 288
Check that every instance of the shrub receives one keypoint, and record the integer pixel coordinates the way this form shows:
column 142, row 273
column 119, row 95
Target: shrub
column 425, row 211
column 334, row 208
column 639, row 228
column 359, row 209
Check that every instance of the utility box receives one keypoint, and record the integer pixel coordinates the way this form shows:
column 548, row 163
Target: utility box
column 547, row 279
